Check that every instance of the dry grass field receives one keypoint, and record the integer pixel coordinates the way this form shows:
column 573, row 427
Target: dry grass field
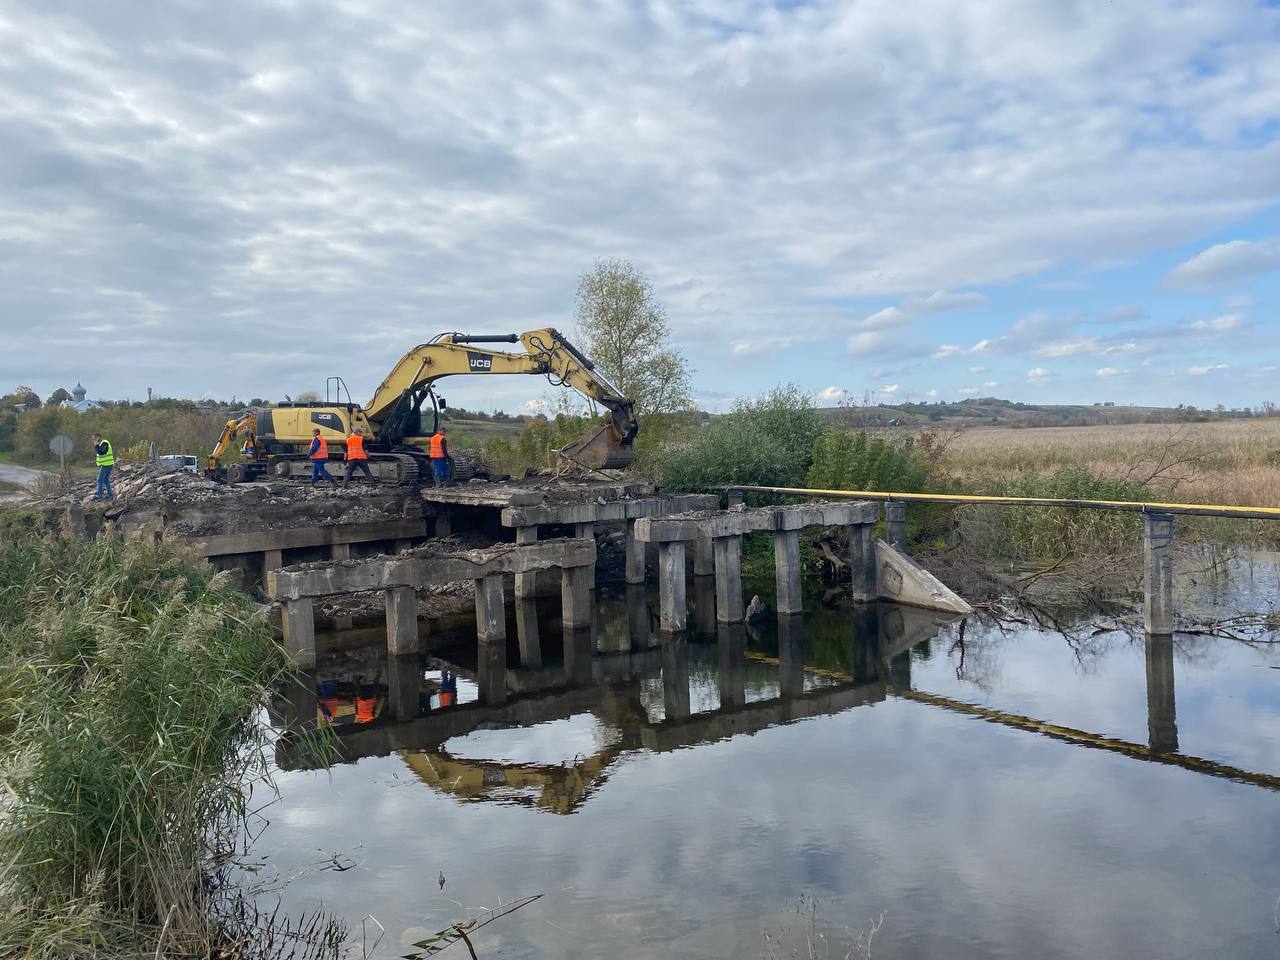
column 1227, row 461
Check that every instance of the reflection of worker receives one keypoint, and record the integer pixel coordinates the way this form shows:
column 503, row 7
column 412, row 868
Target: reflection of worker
column 366, row 704
column 440, row 457
column 357, row 457
column 318, row 455
column 105, row 457
column 328, row 702
column 448, row 689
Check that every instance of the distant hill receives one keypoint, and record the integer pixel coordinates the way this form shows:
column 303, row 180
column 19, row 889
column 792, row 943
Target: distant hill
column 992, row 411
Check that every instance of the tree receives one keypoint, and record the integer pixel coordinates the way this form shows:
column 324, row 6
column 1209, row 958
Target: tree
column 625, row 332
column 307, row 396
column 58, row 396
column 26, row 397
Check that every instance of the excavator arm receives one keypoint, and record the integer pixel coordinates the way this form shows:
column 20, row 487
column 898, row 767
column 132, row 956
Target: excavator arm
column 393, row 407
column 245, row 426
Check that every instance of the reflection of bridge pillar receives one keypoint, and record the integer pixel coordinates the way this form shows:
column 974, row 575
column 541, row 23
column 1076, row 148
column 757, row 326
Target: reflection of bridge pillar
column 671, row 587
column 404, row 683
column 900, row 671
column 526, row 608
column 299, row 702
column 491, row 639
column 704, row 605
column 638, row 616
column 791, row 655
column 1162, row 717
column 578, row 647
column 675, row 675
column 1158, row 552
column 731, row 639
column 728, row 554
column 866, row 642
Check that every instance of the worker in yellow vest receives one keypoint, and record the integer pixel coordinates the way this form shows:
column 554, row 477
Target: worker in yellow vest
column 105, row 457
column 357, row 457
column 318, row 455
column 440, row 457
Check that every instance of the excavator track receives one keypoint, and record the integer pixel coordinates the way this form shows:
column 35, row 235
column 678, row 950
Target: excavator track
column 408, row 472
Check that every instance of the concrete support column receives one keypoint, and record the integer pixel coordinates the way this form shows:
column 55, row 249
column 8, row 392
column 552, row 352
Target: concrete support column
column 1158, row 552
column 491, row 639
column 402, row 546
column 735, row 498
column 673, row 615
column 786, row 559
column 587, row 531
column 728, row 554
column 575, row 597
column 402, row 620
column 895, row 524
column 299, row 620
column 1162, row 710
column 862, row 562
column 704, row 561
column 526, row 583
column 791, row 654
column 271, row 560
column 340, row 551
column 635, row 555
column 444, row 525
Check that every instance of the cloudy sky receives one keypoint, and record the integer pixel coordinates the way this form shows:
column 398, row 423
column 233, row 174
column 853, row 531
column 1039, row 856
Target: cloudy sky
column 1064, row 200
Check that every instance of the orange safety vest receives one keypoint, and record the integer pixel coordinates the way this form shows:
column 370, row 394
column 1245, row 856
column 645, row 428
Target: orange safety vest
column 355, row 448
column 437, row 446
column 364, row 709
column 322, row 451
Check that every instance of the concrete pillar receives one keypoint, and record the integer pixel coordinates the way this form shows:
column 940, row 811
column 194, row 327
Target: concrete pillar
column 1158, row 552
column 638, row 617
column 271, row 560
column 791, row 654
column 735, row 498
column 527, row 632
column 704, row 560
column 402, row 546
column 673, row 613
column 786, row 559
column 587, row 531
column 704, row 606
column 895, row 524
column 444, row 525
column 728, row 554
column 731, row 640
column 1162, row 710
column 491, row 639
column 862, row 562
column 299, row 620
column 404, row 684
column 343, row 623
column 635, row 555
column 340, row 551
column 575, row 597
column 675, row 675
column 526, row 583
column 402, row 620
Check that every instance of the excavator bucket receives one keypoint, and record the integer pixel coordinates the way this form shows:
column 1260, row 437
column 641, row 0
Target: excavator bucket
column 600, row 449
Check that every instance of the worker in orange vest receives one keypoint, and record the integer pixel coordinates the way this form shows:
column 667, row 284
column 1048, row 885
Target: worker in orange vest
column 357, row 457
column 440, row 457
column 318, row 455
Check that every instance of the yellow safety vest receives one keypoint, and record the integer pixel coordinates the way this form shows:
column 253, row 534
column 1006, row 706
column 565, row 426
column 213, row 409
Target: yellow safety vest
column 107, row 459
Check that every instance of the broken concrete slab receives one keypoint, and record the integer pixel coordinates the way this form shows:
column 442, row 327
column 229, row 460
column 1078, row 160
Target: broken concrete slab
column 902, row 580
column 589, row 509
column 728, row 523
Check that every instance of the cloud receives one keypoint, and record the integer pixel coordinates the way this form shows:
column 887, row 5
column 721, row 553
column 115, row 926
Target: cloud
column 969, row 391
column 1038, row 374
column 1222, row 262
column 1201, row 371
column 952, row 350
column 741, row 348
column 832, row 394
column 942, row 301
column 1105, row 373
column 977, row 370
column 1228, row 321
column 881, row 319
column 931, row 394
column 889, row 389
column 1128, row 313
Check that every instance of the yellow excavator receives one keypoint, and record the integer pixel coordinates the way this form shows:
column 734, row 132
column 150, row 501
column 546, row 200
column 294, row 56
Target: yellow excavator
column 272, row 442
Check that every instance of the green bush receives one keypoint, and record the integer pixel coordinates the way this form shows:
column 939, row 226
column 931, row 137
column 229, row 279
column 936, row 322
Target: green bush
column 859, row 461
column 767, row 441
column 130, row 677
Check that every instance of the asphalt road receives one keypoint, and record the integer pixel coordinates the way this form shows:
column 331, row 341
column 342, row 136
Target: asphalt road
column 23, row 476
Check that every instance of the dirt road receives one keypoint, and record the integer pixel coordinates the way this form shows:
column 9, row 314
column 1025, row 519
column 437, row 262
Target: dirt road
column 22, row 476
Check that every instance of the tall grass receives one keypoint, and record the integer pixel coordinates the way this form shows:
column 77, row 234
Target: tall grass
column 130, row 677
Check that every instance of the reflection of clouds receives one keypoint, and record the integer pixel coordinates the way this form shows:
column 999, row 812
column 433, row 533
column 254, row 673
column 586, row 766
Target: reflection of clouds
column 553, row 742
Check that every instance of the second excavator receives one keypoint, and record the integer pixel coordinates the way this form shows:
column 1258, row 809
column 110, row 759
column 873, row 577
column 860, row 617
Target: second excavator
column 273, row 440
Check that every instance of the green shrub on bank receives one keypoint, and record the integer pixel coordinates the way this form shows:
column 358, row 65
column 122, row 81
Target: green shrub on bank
column 130, row 676
column 767, row 441
column 859, row 461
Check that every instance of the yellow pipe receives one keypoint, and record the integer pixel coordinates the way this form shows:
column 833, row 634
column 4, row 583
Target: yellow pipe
column 1197, row 509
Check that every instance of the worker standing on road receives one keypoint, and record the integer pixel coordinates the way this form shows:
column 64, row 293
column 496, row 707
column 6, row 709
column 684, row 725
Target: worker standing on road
column 318, row 455
column 357, row 457
column 440, row 457
column 105, row 457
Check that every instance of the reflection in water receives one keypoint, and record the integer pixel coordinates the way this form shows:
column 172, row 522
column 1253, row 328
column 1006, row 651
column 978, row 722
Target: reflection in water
column 604, row 706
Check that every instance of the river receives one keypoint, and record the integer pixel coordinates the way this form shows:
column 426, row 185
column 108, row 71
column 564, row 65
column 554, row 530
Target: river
column 988, row 787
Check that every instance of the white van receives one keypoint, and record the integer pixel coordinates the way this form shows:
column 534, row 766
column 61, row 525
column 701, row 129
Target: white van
column 177, row 461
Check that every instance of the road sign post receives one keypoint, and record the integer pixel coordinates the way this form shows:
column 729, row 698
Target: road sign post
column 61, row 445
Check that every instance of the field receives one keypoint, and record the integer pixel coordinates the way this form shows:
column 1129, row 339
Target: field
column 1226, row 461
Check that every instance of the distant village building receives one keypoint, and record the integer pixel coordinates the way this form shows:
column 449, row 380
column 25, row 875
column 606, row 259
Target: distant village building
column 78, row 401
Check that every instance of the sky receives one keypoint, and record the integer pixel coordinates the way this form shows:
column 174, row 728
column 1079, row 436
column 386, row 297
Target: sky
column 1044, row 200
